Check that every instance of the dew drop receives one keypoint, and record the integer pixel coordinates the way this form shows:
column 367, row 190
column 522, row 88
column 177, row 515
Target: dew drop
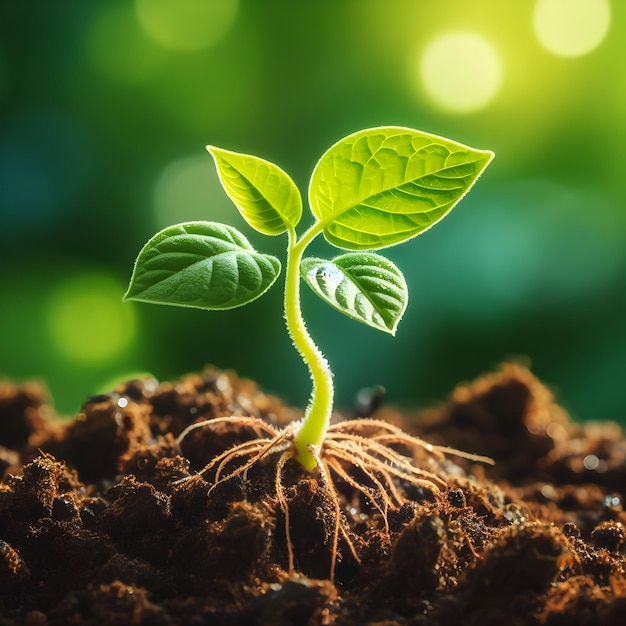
column 330, row 274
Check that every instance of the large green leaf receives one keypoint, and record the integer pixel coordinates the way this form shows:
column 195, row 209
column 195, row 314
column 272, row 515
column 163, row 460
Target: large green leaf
column 382, row 186
column 203, row 265
column 265, row 195
column 364, row 286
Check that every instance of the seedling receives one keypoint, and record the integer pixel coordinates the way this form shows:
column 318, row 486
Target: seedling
column 374, row 189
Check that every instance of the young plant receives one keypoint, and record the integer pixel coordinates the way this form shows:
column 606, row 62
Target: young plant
column 374, row 189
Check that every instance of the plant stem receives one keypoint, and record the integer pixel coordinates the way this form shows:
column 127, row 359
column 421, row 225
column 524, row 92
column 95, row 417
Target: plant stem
column 318, row 412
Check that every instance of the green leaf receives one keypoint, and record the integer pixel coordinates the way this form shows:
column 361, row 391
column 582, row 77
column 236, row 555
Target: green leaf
column 265, row 195
column 382, row 186
column 204, row 265
column 364, row 286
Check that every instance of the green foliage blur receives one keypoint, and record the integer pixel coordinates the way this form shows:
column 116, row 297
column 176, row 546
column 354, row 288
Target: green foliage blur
column 105, row 110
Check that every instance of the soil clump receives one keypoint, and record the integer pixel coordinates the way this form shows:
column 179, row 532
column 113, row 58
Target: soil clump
column 109, row 519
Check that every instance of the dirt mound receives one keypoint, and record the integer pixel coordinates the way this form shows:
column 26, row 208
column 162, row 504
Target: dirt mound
column 109, row 519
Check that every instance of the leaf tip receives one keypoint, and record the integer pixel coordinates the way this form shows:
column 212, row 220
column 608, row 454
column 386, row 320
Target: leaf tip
column 216, row 153
column 488, row 157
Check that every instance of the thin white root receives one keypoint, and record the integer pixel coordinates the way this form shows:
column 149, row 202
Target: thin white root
column 405, row 438
column 258, row 425
column 478, row 458
column 263, row 450
column 368, row 492
column 392, row 461
column 340, row 524
column 282, row 501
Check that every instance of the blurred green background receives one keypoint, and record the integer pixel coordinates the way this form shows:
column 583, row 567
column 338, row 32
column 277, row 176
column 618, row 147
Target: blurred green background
column 106, row 107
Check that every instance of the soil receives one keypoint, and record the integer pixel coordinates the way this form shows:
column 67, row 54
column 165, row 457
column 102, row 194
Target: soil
column 107, row 519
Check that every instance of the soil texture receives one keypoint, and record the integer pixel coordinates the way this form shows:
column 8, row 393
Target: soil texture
column 112, row 518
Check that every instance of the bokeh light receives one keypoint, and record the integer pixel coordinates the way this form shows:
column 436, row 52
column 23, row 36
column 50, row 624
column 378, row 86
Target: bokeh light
column 187, row 25
column 461, row 72
column 87, row 320
column 571, row 28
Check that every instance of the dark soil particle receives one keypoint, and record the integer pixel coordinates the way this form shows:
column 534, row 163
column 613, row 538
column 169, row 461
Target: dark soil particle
column 108, row 520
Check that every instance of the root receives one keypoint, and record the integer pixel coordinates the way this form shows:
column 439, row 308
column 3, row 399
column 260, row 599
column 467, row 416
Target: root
column 284, row 507
column 256, row 424
column 385, row 460
column 369, row 493
column 244, row 450
column 341, row 524
column 362, row 453
column 397, row 435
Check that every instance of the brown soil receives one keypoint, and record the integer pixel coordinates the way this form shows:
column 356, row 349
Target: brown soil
column 98, row 525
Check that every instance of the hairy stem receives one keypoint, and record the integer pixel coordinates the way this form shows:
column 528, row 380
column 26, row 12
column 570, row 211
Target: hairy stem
column 317, row 415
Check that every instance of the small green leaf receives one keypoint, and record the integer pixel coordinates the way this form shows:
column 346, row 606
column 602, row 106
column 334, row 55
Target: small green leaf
column 382, row 186
column 204, row 265
column 265, row 195
column 364, row 286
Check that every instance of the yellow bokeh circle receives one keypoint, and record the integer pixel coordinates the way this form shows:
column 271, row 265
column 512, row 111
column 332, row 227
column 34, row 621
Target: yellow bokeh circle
column 461, row 72
column 571, row 28
column 87, row 320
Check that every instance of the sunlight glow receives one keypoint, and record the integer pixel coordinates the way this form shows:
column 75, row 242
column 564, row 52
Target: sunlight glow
column 87, row 320
column 571, row 28
column 461, row 72
column 187, row 25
